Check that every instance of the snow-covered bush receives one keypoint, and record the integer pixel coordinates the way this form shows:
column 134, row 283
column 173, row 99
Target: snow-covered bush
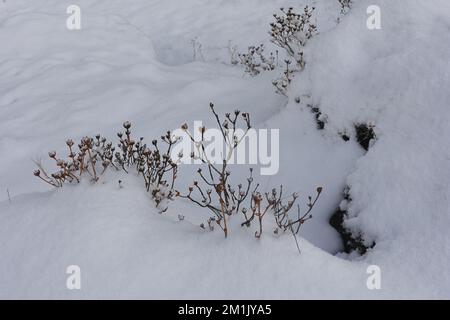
column 255, row 61
column 95, row 155
column 214, row 191
column 291, row 31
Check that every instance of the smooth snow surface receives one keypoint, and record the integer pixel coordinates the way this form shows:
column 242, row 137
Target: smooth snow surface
column 134, row 60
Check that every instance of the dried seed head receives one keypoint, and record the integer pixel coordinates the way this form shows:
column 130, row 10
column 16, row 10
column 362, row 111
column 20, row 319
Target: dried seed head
column 69, row 142
column 37, row 173
column 127, row 125
column 184, row 126
column 52, row 154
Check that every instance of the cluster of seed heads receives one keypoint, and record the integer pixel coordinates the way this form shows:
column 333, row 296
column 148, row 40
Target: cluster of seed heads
column 291, row 30
column 213, row 190
column 95, row 155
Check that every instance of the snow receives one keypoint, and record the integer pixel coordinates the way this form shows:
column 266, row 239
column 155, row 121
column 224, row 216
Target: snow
column 133, row 60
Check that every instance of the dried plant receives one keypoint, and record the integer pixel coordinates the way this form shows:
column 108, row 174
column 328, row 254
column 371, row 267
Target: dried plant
column 282, row 84
column 213, row 190
column 287, row 223
column 345, row 6
column 153, row 164
column 365, row 134
column 95, row 155
column 292, row 30
column 321, row 118
column 259, row 206
column 273, row 202
column 90, row 153
column 255, row 61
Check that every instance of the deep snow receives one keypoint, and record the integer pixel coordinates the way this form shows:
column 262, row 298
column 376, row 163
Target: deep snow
column 133, row 60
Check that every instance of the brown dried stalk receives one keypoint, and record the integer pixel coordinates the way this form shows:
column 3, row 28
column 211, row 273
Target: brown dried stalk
column 226, row 199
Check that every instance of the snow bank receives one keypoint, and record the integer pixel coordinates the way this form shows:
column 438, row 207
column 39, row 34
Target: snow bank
column 396, row 78
column 126, row 250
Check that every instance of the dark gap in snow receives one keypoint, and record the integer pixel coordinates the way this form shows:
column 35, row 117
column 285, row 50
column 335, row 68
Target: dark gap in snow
column 350, row 242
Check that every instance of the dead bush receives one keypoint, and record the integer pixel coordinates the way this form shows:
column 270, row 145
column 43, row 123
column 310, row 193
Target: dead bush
column 93, row 156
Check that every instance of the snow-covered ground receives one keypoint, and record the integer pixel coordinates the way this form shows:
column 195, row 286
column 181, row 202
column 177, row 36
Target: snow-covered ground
column 134, row 60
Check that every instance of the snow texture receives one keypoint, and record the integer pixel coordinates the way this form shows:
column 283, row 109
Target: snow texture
column 135, row 60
